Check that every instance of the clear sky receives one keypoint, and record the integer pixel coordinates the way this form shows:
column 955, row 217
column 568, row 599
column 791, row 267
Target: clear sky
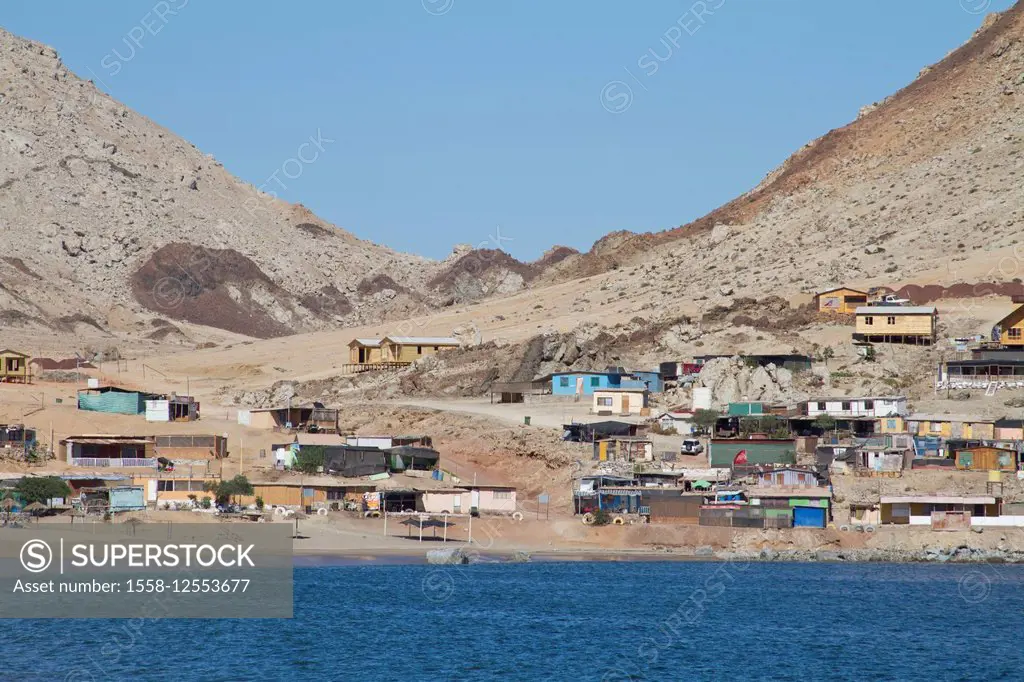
column 553, row 121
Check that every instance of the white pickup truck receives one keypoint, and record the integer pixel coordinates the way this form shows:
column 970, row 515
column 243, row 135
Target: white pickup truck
column 892, row 299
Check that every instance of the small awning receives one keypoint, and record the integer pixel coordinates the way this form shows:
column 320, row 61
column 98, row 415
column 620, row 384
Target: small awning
column 701, row 484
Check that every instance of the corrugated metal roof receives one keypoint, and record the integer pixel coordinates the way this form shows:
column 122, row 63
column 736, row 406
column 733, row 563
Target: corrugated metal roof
column 896, row 310
column 424, row 340
column 373, row 343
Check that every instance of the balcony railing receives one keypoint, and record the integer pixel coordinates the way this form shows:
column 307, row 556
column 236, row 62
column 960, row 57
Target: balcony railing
column 122, row 462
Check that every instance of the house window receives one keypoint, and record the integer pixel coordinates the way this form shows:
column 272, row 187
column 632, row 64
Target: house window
column 869, row 404
column 563, row 381
column 821, row 407
column 419, row 350
column 845, row 406
column 604, row 402
column 1013, row 333
column 935, row 427
column 595, row 381
column 503, row 494
column 890, row 320
column 436, row 348
column 165, row 486
column 869, row 320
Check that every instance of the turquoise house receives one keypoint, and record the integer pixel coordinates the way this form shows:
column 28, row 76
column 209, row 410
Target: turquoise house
column 585, row 382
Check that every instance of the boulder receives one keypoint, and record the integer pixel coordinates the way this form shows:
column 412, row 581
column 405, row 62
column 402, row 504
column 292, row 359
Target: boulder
column 447, row 556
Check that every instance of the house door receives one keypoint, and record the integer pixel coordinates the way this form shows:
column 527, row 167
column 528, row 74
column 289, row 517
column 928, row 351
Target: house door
column 474, row 499
column 362, row 355
column 579, row 385
column 625, row 403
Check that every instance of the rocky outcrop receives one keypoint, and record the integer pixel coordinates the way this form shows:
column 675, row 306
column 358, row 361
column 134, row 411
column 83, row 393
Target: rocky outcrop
column 731, row 380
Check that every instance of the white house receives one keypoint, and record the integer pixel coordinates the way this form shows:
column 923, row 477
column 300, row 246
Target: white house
column 871, row 407
column 624, row 401
column 680, row 420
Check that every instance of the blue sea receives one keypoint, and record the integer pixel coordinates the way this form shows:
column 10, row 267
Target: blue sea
column 613, row 622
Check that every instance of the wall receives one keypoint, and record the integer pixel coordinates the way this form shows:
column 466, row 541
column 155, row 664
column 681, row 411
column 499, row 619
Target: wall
column 500, row 501
column 618, row 400
column 722, row 453
column 839, row 301
column 396, row 353
column 589, row 382
column 369, row 354
column 903, row 325
column 114, row 402
column 438, row 502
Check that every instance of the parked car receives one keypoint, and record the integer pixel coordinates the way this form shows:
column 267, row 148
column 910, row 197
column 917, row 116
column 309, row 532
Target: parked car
column 691, row 446
column 892, row 299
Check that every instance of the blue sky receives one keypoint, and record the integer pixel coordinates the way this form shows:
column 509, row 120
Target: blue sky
column 553, row 122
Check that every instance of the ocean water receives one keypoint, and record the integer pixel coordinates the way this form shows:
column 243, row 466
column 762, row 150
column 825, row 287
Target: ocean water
column 611, row 621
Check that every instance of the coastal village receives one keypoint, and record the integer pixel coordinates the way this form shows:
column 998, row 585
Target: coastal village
column 850, row 463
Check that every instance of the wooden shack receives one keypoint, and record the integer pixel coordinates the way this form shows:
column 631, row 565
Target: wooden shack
column 841, row 301
column 987, row 458
column 914, row 325
column 412, row 348
column 14, row 366
column 1010, row 330
column 364, row 351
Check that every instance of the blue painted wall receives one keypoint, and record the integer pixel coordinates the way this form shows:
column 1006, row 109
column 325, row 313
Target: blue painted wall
column 565, row 383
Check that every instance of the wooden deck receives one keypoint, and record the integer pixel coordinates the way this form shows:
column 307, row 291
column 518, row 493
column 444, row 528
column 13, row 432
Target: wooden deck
column 360, row 367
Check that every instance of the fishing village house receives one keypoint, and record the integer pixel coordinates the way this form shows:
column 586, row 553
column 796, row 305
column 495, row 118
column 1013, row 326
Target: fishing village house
column 871, row 407
column 313, row 417
column 393, row 352
column 842, row 301
column 1009, row 331
column 14, row 366
column 914, row 325
column 621, row 401
column 585, row 382
column 681, row 421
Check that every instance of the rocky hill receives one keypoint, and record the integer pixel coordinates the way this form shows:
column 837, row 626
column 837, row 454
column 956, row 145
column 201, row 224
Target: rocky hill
column 924, row 187
column 103, row 210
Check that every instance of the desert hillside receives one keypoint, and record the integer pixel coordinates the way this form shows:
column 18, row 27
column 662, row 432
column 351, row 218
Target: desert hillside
column 923, row 187
column 111, row 222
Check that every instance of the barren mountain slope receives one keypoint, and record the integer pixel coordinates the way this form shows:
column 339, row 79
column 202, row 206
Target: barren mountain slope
column 100, row 206
column 927, row 186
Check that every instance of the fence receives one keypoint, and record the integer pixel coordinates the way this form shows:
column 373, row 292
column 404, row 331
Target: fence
column 114, row 462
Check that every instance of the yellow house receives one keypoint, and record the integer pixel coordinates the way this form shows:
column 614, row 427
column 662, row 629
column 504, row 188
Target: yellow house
column 896, row 324
column 893, row 424
column 1010, row 329
column 841, row 301
column 626, row 401
column 363, row 351
column 412, row 348
column 13, row 366
column 951, row 426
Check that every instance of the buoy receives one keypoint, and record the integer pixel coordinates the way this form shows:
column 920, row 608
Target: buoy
column 859, row 529
column 321, row 512
column 845, row 528
column 279, row 510
column 619, row 521
column 588, row 519
column 869, row 529
column 517, row 516
column 374, row 514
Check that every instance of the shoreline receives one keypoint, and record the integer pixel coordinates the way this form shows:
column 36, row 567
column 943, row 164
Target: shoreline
column 959, row 555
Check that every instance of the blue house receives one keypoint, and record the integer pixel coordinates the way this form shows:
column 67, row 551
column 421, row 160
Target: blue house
column 585, row 382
